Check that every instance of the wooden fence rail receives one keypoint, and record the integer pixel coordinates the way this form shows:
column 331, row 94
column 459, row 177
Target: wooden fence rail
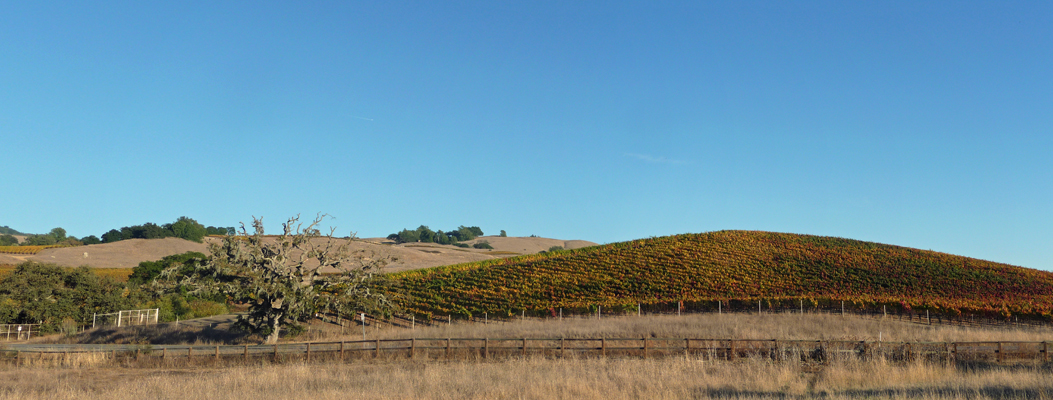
column 485, row 348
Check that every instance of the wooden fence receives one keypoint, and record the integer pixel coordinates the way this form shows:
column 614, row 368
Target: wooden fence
column 485, row 348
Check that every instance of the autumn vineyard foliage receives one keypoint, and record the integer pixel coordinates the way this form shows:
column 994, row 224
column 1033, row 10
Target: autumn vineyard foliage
column 729, row 265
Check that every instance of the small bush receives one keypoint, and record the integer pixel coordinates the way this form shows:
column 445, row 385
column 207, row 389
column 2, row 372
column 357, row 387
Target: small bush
column 465, row 245
column 483, row 245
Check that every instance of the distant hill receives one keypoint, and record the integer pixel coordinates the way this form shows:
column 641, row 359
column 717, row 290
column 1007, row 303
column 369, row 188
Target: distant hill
column 729, row 265
column 4, row 230
column 407, row 256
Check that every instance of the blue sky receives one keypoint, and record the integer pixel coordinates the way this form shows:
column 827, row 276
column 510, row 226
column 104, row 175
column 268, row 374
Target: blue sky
column 922, row 124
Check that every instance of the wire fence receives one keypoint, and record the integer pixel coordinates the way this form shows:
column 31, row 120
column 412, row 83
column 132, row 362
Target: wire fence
column 120, row 318
column 779, row 306
column 11, row 332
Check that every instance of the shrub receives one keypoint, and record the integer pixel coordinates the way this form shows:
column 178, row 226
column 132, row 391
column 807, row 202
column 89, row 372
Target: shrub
column 8, row 240
column 483, row 245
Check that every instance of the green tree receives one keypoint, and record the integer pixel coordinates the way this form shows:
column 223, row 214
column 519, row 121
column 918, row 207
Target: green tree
column 38, row 240
column 442, row 238
column 112, row 236
column 503, row 234
column 58, row 233
column 48, row 294
column 280, row 278
column 408, row 236
column 483, row 245
column 425, row 234
column 91, row 239
column 464, row 233
column 8, row 240
column 185, row 263
column 189, row 229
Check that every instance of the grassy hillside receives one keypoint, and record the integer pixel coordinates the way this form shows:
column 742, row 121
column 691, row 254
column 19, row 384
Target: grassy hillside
column 729, row 265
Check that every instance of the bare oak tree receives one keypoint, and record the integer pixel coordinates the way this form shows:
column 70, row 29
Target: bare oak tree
column 291, row 277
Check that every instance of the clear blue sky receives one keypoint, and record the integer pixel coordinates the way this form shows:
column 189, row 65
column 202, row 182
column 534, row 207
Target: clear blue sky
column 922, row 124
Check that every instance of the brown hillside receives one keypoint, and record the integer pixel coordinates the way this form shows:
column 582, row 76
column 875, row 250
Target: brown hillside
column 123, row 254
column 408, row 256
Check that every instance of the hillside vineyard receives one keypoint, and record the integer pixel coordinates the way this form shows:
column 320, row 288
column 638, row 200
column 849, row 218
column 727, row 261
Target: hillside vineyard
column 729, row 265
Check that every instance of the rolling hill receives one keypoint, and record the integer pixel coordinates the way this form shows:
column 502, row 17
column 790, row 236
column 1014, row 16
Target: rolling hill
column 408, row 256
column 728, row 265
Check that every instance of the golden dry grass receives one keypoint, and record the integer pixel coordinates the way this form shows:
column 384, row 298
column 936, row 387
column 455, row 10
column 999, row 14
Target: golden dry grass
column 709, row 326
column 533, row 378
column 576, row 377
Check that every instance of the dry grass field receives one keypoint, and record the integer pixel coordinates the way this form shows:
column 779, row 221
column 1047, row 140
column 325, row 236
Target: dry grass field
column 711, row 326
column 129, row 253
column 535, row 378
column 575, row 377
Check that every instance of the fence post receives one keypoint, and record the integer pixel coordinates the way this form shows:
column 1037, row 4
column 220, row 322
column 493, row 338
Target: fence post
column 731, row 351
column 18, row 358
column 376, row 349
column 486, row 348
column 524, row 347
column 1045, row 350
column 687, row 347
column 644, row 347
column 245, row 353
column 412, row 347
column 308, row 351
column 562, row 347
column 447, row 347
column 603, row 346
column 275, row 352
column 1001, row 357
column 137, row 355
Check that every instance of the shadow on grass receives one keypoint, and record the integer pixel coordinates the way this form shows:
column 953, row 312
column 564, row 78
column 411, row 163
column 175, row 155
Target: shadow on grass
column 159, row 334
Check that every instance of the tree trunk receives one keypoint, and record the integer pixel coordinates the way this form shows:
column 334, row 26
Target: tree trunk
column 275, row 330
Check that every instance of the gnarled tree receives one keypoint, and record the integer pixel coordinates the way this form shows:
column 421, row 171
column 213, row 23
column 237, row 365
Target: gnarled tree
column 290, row 277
